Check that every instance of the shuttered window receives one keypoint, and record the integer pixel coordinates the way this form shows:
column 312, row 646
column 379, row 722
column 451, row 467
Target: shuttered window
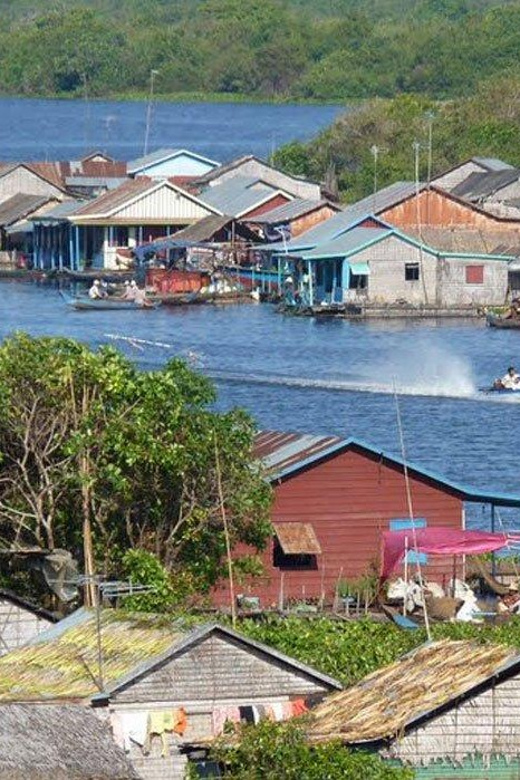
column 474, row 274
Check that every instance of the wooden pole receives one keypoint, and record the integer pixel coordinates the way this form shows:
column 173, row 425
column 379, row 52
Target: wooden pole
column 226, row 535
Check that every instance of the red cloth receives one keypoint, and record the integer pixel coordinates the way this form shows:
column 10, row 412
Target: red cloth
column 437, row 541
column 298, row 707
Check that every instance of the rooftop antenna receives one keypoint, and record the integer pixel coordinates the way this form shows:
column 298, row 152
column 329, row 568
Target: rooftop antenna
column 153, row 74
column 375, row 154
column 410, row 513
column 430, row 116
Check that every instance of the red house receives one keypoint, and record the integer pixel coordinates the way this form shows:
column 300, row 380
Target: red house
column 332, row 500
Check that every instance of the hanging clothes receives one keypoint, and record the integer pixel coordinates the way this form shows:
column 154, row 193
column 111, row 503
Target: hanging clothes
column 223, row 714
column 298, row 707
column 180, row 721
column 163, row 723
column 134, row 728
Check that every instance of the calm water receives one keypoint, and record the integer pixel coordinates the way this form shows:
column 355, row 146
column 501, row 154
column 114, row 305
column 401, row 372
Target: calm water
column 65, row 129
column 326, row 377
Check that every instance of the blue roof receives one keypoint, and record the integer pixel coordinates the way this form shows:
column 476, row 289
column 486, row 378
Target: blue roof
column 164, row 154
column 344, row 220
column 293, row 457
column 237, row 195
column 347, row 243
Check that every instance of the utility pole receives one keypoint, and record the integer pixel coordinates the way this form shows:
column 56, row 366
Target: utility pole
column 375, row 153
column 153, row 74
column 430, row 116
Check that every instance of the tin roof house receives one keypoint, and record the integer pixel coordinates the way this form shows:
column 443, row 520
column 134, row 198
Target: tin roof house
column 448, row 180
column 447, row 709
column 136, row 670
column 137, row 211
column 171, row 163
column 21, row 621
column 333, row 498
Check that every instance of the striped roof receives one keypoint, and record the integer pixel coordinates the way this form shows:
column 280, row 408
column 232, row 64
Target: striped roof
column 20, row 206
column 492, row 163
column 479, row 186
column 286, row 454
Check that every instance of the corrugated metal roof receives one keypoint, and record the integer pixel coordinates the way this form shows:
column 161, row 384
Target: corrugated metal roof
column 112, row 199
column 111, row 182
column 292, row 210
column 160, row 155
column 238, row 195
column 479, row 186
column 347, row 243
column 285, row 454
column 372, row 205
column 60, row 212
column 203, row 230
column 297, row 538
column 492, row 163
column 468, row 240
column 20, row 206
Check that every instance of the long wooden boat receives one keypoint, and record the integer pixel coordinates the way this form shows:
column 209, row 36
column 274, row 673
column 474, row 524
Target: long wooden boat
column 84, row 303
column 496, row 321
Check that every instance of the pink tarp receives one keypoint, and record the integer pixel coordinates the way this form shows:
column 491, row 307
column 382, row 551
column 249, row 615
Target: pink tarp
column 437, row 541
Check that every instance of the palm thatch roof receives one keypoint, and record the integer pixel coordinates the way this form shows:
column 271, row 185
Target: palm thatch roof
column 63, row 662
column 386, row 702
column 65, row 742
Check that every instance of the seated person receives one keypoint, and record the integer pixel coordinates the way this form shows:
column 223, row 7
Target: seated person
column 96, row 291
column 511, row 379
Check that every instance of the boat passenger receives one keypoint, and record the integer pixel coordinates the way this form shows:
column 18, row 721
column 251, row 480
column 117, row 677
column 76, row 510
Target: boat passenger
column 140, row 297
column 128, row 292
column 96, row 291
column 511, row 379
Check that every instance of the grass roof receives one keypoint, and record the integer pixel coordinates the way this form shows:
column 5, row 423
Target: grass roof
column 388, row 700
column 63, row 662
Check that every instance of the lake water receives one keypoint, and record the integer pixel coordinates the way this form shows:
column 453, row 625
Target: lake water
column 67, row 130
column 329, row 377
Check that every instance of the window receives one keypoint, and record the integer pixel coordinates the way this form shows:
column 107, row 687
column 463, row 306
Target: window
column 411, row 272
column 358, row 282
column 305, row 561
column 474, row 274
column 404, row 525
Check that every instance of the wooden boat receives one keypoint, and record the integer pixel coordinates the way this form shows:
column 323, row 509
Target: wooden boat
column 496, row 321
column 111, row 303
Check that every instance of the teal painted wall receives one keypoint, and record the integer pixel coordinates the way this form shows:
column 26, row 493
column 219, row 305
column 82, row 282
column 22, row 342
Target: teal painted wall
column 499, row 769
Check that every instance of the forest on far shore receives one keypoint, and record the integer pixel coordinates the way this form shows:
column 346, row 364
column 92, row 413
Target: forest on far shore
column 272, row 49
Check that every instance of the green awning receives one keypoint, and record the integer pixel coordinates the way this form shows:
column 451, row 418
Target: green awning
column 359, row 269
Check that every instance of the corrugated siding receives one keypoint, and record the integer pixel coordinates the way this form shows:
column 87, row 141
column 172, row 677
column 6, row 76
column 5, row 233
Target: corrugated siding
column 163, row 204
column 23, row 180
column 219, row 668
column 499, row 769
column 440, row 210
column 452, row 179
column 181, row 165
column 487, row 724
column 18, row 626
column 349, row 500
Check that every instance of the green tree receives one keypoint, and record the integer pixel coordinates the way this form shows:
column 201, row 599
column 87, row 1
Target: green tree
column 130, row 460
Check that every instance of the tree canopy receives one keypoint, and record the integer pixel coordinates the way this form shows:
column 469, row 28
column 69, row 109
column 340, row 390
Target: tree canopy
column 276, row 48
column 90, row 444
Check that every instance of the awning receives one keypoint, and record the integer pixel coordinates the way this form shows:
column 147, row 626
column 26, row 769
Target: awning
column 437, row 541
column 359, row 269
column 297, row 538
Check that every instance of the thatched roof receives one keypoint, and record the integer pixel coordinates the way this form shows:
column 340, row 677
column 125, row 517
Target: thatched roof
column 391, row 699
column 63, row 661
column 65, row 742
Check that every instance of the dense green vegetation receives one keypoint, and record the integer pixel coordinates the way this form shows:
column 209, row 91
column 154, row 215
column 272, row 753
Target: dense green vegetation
column 485, row 124
column 91, row 445
column 275, row 48
column 279, row 751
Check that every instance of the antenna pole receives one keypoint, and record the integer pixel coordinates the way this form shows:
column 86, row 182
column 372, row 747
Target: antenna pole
column 226, row 535
column 153, row 74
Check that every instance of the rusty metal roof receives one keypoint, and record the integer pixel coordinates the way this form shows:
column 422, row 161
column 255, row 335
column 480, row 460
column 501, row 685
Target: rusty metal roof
column 281, row 451
column 297, row 538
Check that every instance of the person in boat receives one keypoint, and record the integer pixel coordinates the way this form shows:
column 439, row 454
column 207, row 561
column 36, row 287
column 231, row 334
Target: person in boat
column 129, row 291
column 96, row 291
column 510, row 380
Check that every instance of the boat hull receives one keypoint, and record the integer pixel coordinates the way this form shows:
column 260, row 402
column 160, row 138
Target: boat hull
column 83, row 303
column 495, row 321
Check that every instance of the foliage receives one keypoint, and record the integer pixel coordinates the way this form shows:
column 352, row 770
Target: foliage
column 350, row 650
column 486, row 124
column 279, row 751
column 86, row 438
column 297, row 48
column 141, row 567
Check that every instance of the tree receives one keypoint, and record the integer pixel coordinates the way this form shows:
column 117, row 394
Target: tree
column 92, row 446
column 279, row 751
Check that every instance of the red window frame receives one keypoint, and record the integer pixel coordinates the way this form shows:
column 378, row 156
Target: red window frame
column 474, row 274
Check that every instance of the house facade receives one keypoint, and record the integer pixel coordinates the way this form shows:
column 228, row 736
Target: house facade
column 136, row 671
column 447, row 710
column 170, row 163
column 20, row 621
column 100, row 232
column 332, row 500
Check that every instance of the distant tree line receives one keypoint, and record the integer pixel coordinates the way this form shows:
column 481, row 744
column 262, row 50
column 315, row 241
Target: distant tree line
column 341, row 49
column 372, row 145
